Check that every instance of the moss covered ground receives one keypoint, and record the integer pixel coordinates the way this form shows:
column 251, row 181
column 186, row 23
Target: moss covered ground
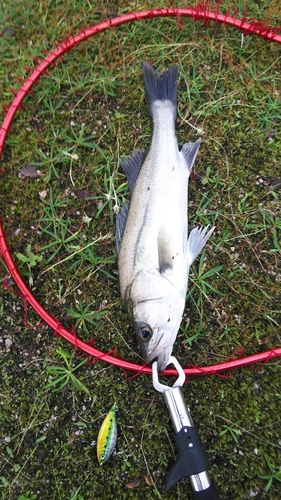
column 60, row 189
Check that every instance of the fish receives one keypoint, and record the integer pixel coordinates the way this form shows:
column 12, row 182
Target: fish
column 153, row 247
column 107, row 436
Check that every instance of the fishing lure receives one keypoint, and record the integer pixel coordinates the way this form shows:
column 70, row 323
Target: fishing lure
column 107, row 436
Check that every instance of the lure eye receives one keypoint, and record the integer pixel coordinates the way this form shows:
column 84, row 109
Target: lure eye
column 144, row 333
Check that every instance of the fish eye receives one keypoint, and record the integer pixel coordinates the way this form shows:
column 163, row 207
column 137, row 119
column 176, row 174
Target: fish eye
column 144, row 333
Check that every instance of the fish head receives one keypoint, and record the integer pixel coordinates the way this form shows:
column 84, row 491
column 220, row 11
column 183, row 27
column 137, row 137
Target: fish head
column 155, row 308
column 156, row 324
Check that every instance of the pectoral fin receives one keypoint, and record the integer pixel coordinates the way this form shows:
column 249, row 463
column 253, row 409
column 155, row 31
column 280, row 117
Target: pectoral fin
column 196, row 241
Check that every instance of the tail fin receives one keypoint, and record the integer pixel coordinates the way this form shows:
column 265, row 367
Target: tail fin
column 160, row 87
column 196, row 241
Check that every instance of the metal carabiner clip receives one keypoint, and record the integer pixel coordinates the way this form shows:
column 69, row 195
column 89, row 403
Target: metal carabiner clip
column 192, row 460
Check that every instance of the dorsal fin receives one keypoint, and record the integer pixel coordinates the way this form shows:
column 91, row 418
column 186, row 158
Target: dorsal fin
column 189, row 151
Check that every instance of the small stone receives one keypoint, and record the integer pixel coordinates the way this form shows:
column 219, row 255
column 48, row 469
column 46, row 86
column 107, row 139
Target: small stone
column 8, row 31
column 8, row 342
column 43, row 194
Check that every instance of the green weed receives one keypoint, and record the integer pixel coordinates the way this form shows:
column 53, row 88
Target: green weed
column 232, row 431
column 126, row 464
column 62, row 375
column 30, row 260
column 84, row 315
column 215, row 180
column 200, row 280
column 275, row 474
column 28, row 496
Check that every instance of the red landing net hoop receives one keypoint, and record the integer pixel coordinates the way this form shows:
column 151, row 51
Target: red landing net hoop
column 197, row 13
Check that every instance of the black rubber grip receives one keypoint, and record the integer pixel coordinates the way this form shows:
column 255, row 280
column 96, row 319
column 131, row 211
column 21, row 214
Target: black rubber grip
column 192, row 458
column 210, row 493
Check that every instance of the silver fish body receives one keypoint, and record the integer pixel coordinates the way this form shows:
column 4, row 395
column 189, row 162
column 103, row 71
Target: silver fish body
column 154, row 252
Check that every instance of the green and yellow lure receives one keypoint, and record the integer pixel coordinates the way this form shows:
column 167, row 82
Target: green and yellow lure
column 107, row 436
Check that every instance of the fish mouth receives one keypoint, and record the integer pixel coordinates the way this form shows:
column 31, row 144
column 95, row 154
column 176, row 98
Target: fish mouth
column 161, row 353
column 163, row 359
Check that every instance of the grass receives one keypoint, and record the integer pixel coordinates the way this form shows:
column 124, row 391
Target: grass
column 31, row 260
column 274, row 474
column 62, row 375
column 86, row 114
